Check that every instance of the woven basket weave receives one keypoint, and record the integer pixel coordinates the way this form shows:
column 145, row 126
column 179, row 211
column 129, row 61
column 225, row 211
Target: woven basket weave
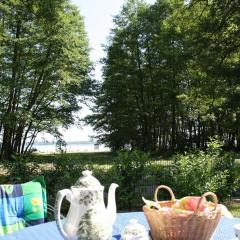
column 175, row 226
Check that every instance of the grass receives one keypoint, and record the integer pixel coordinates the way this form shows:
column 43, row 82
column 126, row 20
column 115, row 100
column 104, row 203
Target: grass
column 234, row 208
column 83, row 158
column 96, row 160
column 47, row 165
column 103, row 161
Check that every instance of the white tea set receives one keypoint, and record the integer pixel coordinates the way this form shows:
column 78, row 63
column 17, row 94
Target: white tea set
column 88, row 218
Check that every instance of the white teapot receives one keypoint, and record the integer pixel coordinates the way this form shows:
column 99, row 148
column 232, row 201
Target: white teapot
column 87, row 218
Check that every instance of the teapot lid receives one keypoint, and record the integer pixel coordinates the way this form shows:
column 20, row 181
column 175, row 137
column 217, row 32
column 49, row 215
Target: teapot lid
column 134, row 231
column 88, row 181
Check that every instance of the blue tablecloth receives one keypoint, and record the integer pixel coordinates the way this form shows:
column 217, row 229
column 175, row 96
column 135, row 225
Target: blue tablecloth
column 48, row 231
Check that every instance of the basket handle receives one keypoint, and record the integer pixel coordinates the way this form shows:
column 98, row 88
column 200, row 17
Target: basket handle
column 215, row 200
column 168, row 189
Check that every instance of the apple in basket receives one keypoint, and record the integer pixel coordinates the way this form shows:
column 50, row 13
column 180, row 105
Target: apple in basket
column 190, row 204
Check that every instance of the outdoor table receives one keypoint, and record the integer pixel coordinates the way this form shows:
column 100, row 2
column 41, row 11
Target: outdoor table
column 48, row 231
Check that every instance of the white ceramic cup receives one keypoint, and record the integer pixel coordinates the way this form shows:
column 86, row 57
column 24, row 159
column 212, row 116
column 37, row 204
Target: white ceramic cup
column 237, row 230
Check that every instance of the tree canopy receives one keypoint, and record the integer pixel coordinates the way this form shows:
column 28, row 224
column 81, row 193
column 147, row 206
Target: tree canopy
column 44, row 59
column 171, row 76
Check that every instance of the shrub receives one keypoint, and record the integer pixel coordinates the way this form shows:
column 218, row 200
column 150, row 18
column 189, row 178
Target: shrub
column 196, row 172
column 128, row 170
column 20, row 170
column 64, row 174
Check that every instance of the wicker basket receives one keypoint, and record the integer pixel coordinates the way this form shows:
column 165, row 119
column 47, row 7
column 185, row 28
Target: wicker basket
column 191, row 226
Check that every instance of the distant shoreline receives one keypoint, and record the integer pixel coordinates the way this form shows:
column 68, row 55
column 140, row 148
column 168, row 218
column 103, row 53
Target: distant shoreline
column 71, row 147
column 48, row 153
column 68, row 143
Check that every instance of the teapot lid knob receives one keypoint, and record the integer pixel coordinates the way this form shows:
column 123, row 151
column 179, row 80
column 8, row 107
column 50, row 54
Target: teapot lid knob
column 86, row 173
column 88, row 181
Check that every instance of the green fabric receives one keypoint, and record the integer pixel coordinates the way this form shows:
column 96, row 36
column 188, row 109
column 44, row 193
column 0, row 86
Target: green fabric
column 32, row 201
column 41, row 180
column 22, row 205
column 12, row 228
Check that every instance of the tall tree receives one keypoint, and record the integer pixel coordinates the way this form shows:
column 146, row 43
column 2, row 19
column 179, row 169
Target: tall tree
column 138, row 98
column 44, row 59
column 171, row 76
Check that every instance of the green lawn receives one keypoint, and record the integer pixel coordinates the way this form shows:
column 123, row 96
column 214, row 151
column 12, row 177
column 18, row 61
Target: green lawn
column 234, row 208
column 97, row 160
column 71, row 164
column 83, row 158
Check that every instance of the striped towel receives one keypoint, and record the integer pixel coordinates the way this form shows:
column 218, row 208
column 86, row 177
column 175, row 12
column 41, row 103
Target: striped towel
column 22, row 205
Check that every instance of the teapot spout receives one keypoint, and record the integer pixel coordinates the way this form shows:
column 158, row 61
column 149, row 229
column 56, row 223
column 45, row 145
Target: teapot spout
column 111, row 208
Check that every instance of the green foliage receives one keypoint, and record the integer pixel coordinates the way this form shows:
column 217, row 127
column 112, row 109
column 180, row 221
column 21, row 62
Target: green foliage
column 20, row 170
column 64, row 174
column 136, row 173
column 197, row 172
column 171, row 77
column 61, row 146
column 128, row 171
column 43, row 63
column 234, row 208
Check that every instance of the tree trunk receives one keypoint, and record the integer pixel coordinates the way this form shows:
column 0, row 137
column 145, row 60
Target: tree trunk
column 18, row 138
column 25, row 137
column 238, row 140
column 8, row 126
column 173, row 132
column 143, row 110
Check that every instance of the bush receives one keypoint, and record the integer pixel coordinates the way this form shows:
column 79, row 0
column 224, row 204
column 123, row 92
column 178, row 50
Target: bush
column 197, row 172
column 20, row 170
column 64, row 174
column 128, row 170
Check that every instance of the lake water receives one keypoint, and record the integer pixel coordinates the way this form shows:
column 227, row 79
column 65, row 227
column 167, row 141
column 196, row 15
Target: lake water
column 83, row 146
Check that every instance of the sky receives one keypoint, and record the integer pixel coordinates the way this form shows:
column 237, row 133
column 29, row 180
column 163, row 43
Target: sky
column 98, row 16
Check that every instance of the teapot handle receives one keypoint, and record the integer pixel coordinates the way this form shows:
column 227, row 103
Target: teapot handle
column 60, row 195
